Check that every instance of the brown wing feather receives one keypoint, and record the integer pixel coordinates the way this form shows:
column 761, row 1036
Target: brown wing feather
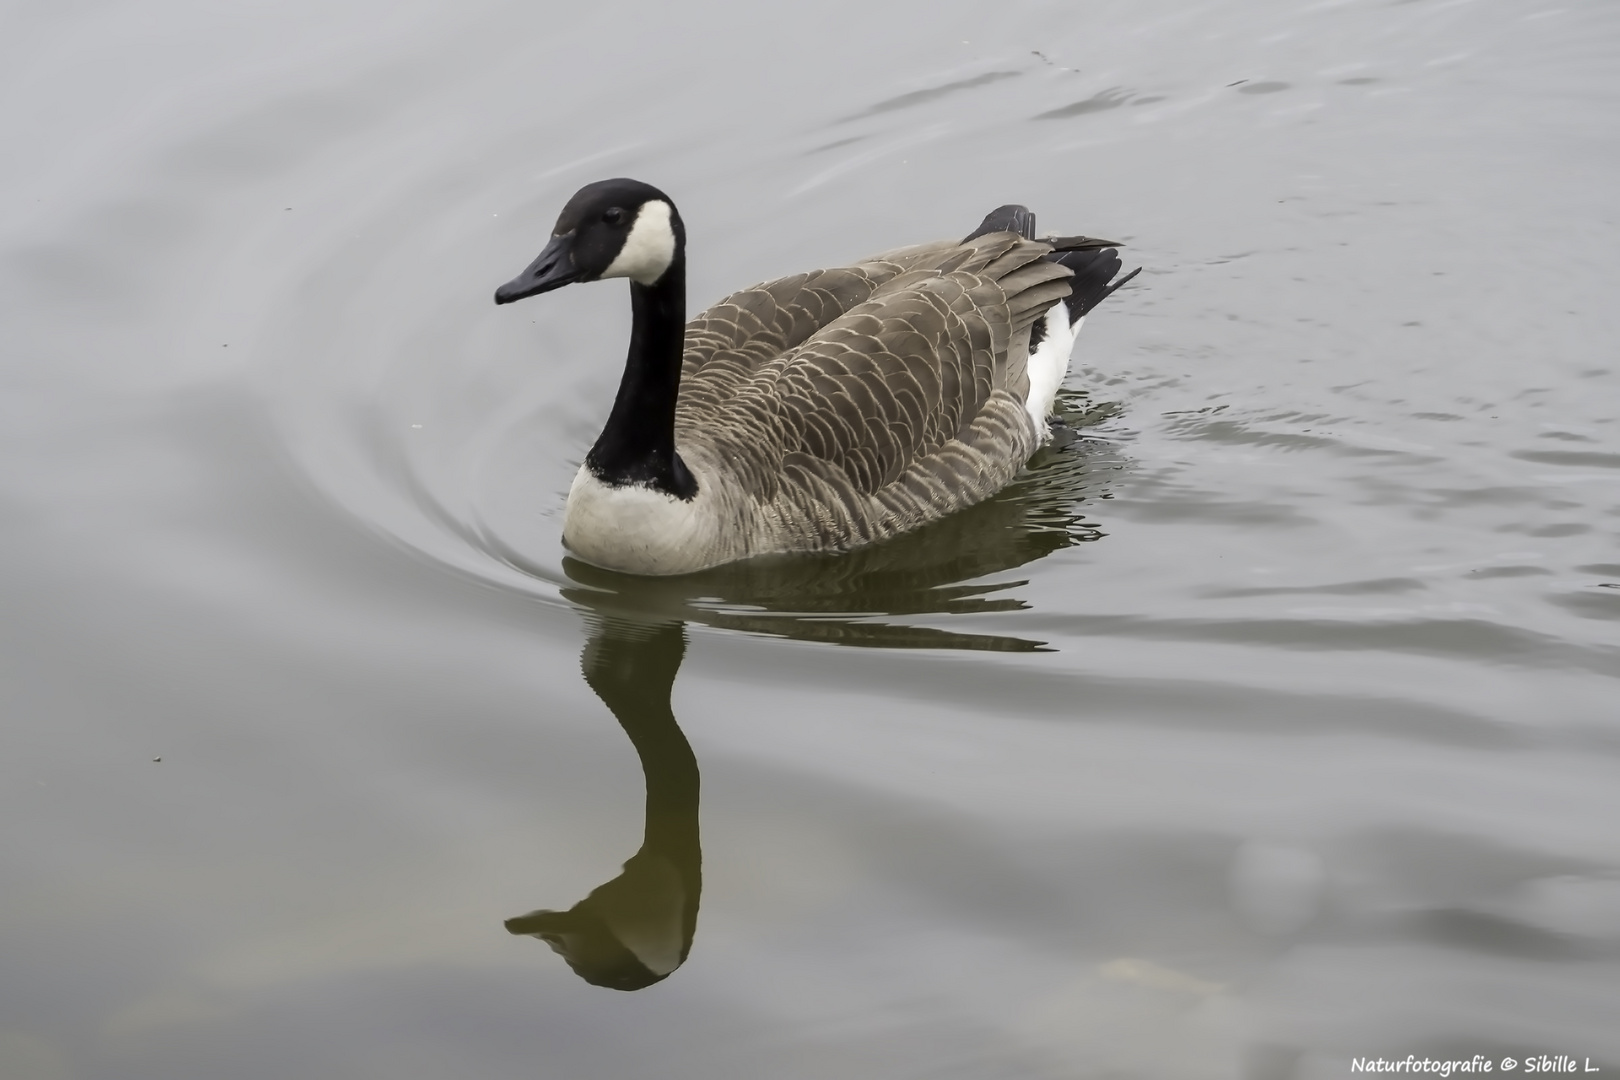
column 727, row 344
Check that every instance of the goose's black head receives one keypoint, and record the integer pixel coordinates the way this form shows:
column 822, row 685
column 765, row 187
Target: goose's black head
column 612, row 228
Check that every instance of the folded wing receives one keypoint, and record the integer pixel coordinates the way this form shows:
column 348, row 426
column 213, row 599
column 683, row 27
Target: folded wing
column 852, row 404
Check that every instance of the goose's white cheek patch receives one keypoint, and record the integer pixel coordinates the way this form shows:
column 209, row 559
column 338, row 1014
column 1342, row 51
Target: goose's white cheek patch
column 650, row 247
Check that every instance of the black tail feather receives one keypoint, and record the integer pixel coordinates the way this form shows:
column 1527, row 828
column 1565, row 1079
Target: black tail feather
column 1079, row 243
column 1093, row 281
column 1093, row 261
column 1010, row 218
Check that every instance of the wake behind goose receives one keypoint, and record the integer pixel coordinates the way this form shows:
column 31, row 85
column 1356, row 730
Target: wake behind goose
column 818, row 412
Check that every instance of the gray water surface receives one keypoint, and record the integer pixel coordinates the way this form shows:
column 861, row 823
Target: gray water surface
column 1269, row 722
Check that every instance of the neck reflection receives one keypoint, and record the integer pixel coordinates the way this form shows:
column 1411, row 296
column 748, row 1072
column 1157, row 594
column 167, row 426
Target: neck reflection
column 636, row 929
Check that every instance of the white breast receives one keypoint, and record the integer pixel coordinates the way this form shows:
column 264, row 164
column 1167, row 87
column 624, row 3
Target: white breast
column 640, row 530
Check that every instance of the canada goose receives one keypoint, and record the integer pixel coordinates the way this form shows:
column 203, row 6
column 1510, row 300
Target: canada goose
column 818, row 412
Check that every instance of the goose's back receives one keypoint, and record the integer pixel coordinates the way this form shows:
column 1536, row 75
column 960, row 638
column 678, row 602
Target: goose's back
column 844, row 406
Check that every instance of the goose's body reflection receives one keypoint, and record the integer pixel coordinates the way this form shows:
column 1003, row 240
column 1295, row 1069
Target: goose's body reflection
column 637, row 929
column 634, row 930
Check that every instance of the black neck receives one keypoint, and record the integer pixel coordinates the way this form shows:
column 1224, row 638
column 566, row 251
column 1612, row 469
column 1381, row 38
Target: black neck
column 637, row 446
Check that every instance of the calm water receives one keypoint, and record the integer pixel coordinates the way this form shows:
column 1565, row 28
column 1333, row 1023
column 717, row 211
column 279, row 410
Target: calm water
column 1270, row 722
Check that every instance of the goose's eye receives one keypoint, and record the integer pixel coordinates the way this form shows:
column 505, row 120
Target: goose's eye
column 613, row 215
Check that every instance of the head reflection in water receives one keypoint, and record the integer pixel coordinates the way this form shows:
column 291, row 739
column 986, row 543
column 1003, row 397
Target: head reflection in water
column 634, row 930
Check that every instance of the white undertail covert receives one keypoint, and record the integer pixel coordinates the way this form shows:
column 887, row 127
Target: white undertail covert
column 1049, row 365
